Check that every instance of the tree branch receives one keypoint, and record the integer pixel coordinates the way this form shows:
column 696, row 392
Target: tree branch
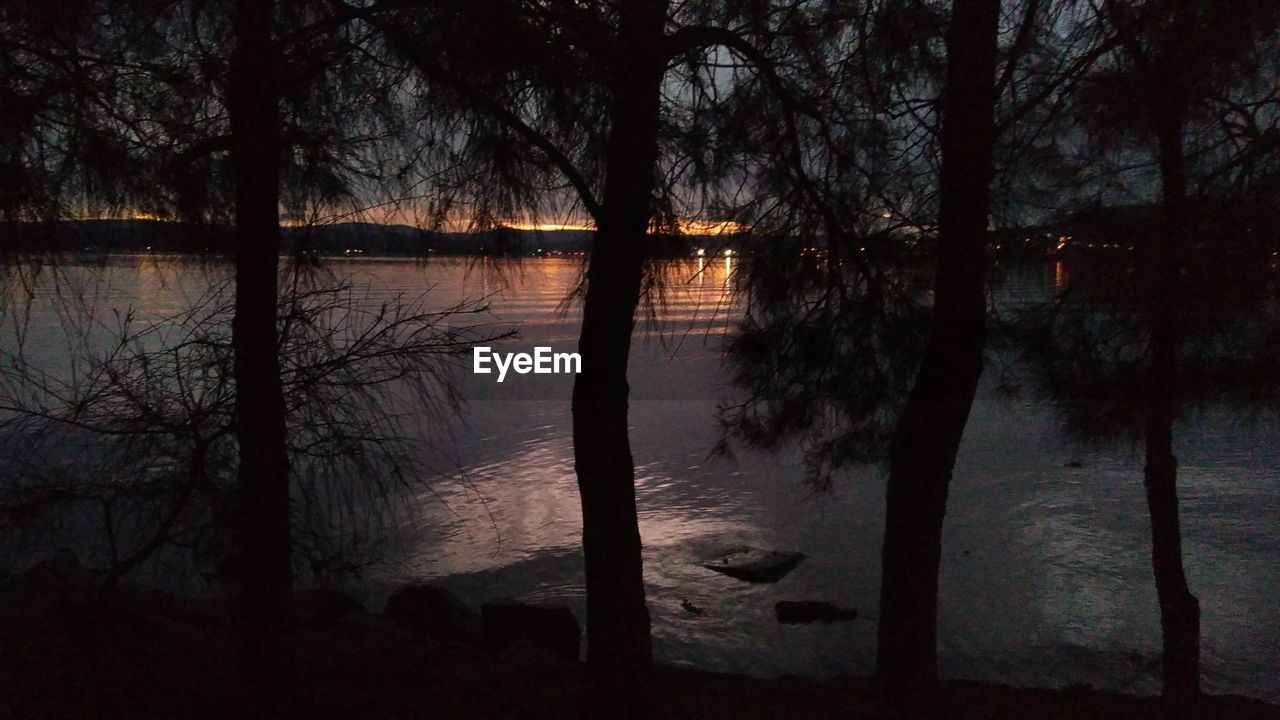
column 413, row 51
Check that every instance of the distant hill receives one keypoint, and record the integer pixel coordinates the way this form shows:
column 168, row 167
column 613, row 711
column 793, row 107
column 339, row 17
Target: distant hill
column 115, row 236
column 1242, row 226
column 366, row 238
column 338, row 239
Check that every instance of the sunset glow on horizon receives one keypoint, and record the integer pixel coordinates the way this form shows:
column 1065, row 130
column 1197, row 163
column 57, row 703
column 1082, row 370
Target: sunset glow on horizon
column 685, row 227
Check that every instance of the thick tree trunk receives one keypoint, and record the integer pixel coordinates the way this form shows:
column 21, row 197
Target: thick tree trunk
column 260, row 514
column 617, row 618
column 927, row 436
column 1179, row 609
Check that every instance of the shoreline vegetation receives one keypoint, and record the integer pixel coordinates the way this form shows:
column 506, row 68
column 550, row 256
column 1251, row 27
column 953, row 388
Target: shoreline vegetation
column 74, row 650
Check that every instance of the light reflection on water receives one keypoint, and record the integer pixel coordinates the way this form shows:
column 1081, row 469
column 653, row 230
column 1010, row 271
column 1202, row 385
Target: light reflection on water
column 1045, row 575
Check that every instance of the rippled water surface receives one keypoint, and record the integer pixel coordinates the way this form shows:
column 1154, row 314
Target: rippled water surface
column 1045, row 572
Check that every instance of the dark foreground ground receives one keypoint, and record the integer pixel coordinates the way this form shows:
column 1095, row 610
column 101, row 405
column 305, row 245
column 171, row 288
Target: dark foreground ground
column 69, row 652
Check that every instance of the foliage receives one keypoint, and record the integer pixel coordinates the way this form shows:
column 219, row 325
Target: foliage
column 137, row 434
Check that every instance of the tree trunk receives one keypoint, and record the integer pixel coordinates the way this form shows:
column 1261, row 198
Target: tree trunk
column 927, row 436
column 260, row 511
column 1179, row 609
column 1167, row 99
column 617, row 619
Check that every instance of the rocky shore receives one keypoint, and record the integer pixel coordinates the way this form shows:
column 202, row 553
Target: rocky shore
column 68, row 649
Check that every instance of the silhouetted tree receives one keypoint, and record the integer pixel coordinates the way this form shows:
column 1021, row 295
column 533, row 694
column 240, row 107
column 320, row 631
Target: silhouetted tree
column 263, row 573
column 207, row 112
column 927, row 435
column 840, row 348
column 602, row 447
column 62, row 74
column 1176, row 67
column 577, row 92
column 136, row 432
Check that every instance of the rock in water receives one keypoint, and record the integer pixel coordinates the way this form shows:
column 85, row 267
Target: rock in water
column 795, row 612
column 755, row 565
column 506, row 622
column 689, row 607
column 435, row 613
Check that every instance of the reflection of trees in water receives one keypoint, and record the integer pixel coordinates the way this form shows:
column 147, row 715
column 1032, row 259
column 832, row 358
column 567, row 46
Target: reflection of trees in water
column 1129, row 348
column 1084, row 350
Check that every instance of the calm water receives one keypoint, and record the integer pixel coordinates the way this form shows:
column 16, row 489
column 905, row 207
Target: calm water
column 1045, row 574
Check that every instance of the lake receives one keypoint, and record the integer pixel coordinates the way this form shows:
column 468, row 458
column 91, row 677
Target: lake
column 1045, row 576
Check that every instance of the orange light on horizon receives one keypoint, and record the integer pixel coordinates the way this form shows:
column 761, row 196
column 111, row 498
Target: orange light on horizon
column 548, row 227
column 150, row 216
column 684, row 227
column 710, row 227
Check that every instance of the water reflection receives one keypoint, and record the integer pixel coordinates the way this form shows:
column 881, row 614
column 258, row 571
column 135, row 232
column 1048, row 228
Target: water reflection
column 1045, row 577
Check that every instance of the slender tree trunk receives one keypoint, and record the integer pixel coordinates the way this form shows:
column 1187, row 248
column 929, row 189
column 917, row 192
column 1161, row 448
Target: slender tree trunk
column 617, row 619
column 1179, row 609
column 927, row 436
column 1165, row 81
column 261, row 506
